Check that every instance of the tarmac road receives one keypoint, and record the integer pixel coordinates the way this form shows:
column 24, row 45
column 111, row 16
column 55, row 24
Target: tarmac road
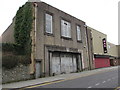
column 107, row 79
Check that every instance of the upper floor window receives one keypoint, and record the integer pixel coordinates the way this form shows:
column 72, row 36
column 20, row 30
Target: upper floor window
column 65, row 29
column 79, row 38
column 48, row 23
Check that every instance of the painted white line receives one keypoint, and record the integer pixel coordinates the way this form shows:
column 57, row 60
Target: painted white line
column 90, row 87
column 97, row 84
column 113, row 77
column 103, row 81
column 108, row 79
column 116, row 77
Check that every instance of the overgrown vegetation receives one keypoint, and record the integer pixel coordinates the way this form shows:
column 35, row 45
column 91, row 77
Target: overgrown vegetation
column 7, row 47
column 20, row 51
column 23, row 26
column 25, row 60
column 9, row 61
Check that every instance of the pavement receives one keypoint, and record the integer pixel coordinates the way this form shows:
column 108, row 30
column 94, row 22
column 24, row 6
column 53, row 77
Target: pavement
column 58, row 78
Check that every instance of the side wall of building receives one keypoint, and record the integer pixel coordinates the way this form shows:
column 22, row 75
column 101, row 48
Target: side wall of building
column 8, row 34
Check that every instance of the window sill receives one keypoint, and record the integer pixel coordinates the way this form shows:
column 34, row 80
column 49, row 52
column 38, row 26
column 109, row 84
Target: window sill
column 49, row 34
column 80, row 41
column 67, row 38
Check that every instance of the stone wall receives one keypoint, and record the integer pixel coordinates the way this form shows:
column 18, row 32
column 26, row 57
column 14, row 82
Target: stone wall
column 18, row 73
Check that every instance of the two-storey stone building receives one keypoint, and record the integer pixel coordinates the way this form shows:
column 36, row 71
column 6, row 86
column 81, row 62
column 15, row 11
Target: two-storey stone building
column 59, row 42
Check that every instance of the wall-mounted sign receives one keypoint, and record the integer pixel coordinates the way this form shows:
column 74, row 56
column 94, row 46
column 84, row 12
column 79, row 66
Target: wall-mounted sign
column 104, row 45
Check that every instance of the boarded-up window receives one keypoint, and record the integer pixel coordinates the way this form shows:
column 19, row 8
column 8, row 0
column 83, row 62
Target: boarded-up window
column 65, row 29
column 48, row 23
column 79, row 33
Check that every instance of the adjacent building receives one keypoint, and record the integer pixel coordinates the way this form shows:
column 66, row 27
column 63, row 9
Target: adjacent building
column 100, row 49
column 118, row 46
column 113, row 54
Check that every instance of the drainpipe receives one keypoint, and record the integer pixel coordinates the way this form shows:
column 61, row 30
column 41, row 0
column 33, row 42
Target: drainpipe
column 35, row 33
column 35, row 25
column 35, row 28
column 87, row 49
column 33, row 36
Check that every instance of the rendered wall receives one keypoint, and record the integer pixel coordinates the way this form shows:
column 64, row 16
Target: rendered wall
column 97, row 41
column 112, row 49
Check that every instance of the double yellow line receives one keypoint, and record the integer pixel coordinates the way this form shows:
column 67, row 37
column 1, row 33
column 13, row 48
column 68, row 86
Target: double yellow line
column 118, row 88
column 57, row 81
column 45, row 83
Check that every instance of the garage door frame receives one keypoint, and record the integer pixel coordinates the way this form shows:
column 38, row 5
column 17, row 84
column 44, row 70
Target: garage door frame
column 78, row 61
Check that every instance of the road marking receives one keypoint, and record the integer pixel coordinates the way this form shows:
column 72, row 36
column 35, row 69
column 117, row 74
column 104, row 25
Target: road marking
column 97, row 84
column 103, row 81
column 118, row 88
column 116, row 77
column 90, row 87
column 66, row 79
column 108, row 79
column 44, row 84
column 113, row 77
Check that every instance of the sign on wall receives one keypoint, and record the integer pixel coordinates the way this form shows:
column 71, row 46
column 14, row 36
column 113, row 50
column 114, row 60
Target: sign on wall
column 104, row 45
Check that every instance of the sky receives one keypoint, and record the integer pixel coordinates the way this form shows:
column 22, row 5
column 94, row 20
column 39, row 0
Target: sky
column 101, row 15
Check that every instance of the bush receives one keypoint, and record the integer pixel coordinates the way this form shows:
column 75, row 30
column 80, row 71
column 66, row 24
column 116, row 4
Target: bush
column 25, row 60
column 23, row 27
column 6, row 47
column 9, row 61
column 18, row 49
column 14, row 54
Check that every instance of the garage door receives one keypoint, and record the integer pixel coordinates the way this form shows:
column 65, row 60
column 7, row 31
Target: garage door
column 68, row 63
column 55, row 63
column 74, row 64
column 63, row 63
column 102, row 62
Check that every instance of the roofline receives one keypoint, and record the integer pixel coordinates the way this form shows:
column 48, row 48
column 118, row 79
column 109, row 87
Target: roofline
column 6, row 29
column 9, row 25
column 95, row 30
column 62, row 11
column 50, row 6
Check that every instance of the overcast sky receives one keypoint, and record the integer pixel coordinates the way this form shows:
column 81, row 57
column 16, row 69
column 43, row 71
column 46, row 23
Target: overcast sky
column 101, row 15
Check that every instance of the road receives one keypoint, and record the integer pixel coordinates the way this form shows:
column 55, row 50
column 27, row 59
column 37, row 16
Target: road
column 107, row 79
